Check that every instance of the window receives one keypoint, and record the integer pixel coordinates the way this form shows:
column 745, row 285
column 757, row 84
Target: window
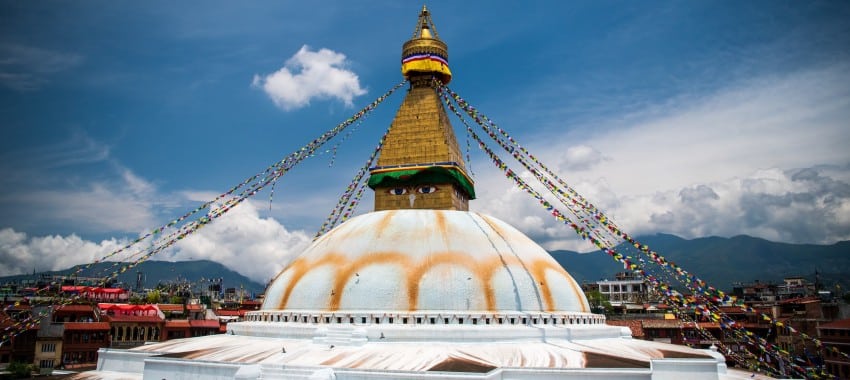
column 48, row 363
column 48, row 347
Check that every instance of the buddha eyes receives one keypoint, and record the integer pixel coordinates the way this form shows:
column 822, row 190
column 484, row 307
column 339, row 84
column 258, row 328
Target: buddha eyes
column 426, row 189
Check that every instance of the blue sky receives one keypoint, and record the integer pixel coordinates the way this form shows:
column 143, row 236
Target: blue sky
column 694, row 118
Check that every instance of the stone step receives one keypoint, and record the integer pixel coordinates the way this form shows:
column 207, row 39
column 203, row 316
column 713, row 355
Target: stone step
column 282, row 372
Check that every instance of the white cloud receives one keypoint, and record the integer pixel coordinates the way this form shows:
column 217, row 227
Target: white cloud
column 766, row 158
column 22, row 254
column 797, row 120
column 252, row 245
column 120, row 201
column 308, row 75
column 581, row 157
column 74, row 184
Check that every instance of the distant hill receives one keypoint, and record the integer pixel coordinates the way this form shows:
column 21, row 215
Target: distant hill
column 723, row 261
column 718, row 261
column 162, row 271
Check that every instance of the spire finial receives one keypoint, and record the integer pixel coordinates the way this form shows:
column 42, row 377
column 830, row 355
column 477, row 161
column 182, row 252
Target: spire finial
column 425, row 52
column 425, row 25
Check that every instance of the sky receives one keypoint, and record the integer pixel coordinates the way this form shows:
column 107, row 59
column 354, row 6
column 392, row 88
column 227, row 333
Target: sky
column 693, row 118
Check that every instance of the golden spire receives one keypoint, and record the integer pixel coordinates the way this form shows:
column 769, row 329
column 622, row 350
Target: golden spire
column 421, row 165
column 425, row 52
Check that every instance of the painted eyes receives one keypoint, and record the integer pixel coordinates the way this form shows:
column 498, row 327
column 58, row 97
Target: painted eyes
column 426, row 189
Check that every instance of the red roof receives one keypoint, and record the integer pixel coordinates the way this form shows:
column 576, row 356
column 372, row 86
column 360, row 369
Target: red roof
column 635, row 326
column 230, row 313
column 800, row 300
column 134, row 318
column 841, row 324
column 662, row 324
column 102, row 326
column 72, row 308
column 170, row 307
column 194, row 307
column 177, row 323
column 732, row 309
column 22, row 306
column 124, row 307
column 205, row 323
column 93, row 289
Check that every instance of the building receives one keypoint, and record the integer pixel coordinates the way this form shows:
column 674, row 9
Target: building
column 69, row 336
column 421, row 288
column 21, row 347
column 836, row 340
column 95, row 293
column 625, row 288
column 132, row 325
column 803, row 315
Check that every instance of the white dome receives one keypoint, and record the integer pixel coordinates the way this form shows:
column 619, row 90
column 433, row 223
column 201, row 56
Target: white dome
column 425, row 260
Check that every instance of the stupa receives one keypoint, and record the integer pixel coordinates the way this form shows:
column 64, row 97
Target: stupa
column 420, row 288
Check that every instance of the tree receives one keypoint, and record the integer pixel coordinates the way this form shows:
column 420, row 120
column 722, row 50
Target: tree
column 598, row 303
column 20, row 370
column 154, row 296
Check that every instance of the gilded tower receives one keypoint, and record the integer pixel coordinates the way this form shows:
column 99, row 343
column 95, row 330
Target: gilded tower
column 421, row 165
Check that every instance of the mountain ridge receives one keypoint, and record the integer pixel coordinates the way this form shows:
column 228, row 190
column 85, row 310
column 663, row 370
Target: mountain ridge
column 155, row 272
column 723, row 261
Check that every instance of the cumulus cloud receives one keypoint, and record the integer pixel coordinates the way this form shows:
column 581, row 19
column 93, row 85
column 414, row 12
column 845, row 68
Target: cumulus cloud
column 20, row 253
column 310, row 75
column 796, row 205
column 255, row 246
column 580, row 158
column 766, row 158
column 118, row 201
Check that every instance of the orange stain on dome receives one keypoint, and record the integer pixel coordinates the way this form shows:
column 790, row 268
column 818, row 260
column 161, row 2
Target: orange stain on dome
column 384, row 223
column 483, row 270
column 539, row 268
column 344, row 272
column 300, row 267
column 414, row 272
